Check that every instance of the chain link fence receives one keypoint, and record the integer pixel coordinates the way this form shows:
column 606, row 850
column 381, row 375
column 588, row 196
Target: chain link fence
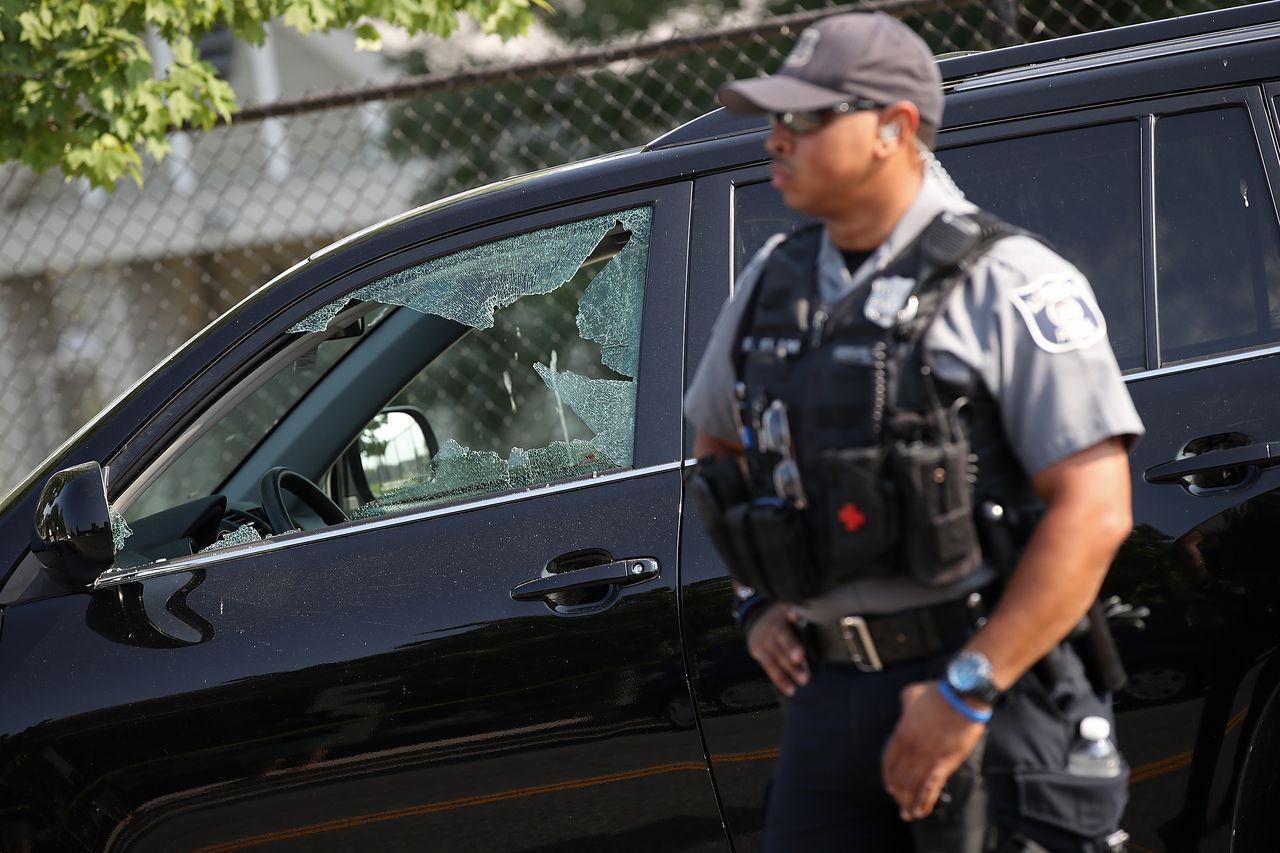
column 96, row 288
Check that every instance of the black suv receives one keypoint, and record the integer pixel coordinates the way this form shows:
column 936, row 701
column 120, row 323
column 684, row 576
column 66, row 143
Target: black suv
column 393, row 555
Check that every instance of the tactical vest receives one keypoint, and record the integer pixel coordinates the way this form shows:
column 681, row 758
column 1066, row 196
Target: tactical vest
column 861, row 463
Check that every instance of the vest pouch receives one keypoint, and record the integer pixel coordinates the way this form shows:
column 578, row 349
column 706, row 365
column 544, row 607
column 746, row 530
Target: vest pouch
column 941, row 545
column 862, row 525
column 780, row 542
column 718, row 491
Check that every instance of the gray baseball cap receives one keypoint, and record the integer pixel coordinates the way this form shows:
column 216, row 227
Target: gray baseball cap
column 845, row 57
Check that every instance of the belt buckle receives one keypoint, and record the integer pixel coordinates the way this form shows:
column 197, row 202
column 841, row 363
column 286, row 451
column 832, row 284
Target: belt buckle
column 857, row 638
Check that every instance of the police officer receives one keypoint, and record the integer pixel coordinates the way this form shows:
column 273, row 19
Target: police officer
column 869, row 376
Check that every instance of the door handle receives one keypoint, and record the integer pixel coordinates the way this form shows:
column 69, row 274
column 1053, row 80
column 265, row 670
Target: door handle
column 1267, row 453
column 617, row 573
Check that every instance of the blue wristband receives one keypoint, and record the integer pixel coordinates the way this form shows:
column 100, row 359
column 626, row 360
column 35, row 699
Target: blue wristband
column 742, row 611
column 962, row 707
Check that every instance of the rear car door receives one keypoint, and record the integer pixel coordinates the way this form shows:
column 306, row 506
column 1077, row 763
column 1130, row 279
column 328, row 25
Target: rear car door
column 486, row 657
column 1167, row 207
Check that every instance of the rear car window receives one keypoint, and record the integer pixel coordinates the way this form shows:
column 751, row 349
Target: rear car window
column 1079, row 190
column 758, row 214
column 1217, row 264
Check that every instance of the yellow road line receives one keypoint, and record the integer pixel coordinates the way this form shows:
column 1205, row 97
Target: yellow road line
column 1163, row 766
column 758, row 755
column 1238, row 718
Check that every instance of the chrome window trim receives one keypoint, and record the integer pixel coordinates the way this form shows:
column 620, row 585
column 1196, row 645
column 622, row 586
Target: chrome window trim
column 1243, row 355
column 113, row 577
column 1191, row 44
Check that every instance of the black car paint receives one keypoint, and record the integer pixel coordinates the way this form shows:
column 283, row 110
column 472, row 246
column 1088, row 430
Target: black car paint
column 377, row 684
column 372, row 675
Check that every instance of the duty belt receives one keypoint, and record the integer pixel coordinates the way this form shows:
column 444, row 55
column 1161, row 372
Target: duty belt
column 872, row 643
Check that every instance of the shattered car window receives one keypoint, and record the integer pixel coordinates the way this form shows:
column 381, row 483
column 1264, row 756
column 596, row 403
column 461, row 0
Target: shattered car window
column 519, row 370
column 543, row 386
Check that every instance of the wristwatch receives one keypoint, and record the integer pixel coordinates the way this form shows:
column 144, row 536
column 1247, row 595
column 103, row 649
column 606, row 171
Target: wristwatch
column 969, row 674
column 746, row 602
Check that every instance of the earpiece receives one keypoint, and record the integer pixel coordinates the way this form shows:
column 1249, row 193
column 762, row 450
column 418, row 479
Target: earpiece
column 889, row 131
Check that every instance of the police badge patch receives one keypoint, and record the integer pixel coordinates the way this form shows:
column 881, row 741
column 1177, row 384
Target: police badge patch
column 1060, row 312
column 888, row 303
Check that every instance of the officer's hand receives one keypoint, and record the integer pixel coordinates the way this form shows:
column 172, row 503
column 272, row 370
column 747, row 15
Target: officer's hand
column 773, row 642
column 930, row 741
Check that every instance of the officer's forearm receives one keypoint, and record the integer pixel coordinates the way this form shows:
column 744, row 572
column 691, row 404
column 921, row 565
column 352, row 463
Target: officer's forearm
column 1065, row 561
column 709, row 445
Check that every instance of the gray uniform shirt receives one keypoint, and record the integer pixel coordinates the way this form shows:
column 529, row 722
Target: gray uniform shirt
column 1027, row 325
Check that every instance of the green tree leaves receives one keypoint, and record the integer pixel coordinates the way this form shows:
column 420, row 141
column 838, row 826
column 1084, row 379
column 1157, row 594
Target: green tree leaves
column 78, row 85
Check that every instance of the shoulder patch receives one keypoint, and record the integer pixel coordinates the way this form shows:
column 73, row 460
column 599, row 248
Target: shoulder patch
column 1060, row 313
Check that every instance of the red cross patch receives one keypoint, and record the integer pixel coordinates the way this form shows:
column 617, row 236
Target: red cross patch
column 851, row 517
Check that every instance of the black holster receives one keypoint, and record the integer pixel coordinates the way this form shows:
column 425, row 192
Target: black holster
column 1098, row 652
column 960, row 820
column 1092, row 639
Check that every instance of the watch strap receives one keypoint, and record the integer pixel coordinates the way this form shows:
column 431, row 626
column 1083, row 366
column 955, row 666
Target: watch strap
column 961, row 707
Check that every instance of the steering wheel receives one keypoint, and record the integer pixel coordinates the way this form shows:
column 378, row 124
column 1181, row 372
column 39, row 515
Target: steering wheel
column 277, row 481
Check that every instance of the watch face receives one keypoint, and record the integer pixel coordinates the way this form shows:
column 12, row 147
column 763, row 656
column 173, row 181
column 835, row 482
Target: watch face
column 969, row 672
column 745, row 592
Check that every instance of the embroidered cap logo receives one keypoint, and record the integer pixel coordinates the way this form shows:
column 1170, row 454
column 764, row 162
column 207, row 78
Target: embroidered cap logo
column 803, row 51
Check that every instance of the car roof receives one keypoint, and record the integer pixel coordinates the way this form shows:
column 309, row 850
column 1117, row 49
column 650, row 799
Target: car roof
column 966, row 71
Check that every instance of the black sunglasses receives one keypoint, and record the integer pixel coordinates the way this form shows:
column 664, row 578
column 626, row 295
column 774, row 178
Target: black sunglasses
column 807, row 121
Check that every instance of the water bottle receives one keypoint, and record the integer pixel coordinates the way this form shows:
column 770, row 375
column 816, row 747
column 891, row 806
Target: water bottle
column 1093, row 753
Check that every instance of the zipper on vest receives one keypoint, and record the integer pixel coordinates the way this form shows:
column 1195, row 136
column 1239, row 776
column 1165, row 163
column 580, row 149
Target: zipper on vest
column 880, row 354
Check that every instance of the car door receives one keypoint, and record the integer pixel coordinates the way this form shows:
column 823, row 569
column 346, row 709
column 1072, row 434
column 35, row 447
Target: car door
column 487, row 657
column 1166, row 206
column 736, row 211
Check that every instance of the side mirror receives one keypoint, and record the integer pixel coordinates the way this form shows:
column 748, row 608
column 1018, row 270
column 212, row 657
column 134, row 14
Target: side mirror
column 72, row 535
column 396, row 447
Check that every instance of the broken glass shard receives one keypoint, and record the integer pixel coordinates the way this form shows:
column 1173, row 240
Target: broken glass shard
column 468, row 286
column 558, row 460
column 609, row 311
column 606, row 406
column 242, row 535
column 120, row 530
column 457, row 472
